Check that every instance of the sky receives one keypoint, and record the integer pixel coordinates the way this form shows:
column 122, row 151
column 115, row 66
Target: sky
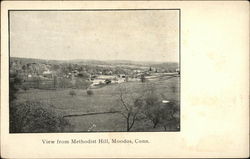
column 149, row 35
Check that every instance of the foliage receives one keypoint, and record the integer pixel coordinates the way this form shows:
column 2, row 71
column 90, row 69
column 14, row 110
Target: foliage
column 161, row 113
column 84, row 75
column 152, row 109
column 167, row 118
column 104, row 96
column 103, row 100
column 35, row 117
column 156, row 111
column 13, row 88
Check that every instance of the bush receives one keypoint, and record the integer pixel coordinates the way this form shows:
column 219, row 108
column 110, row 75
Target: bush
column 36, row 117
column 72, row 93
column 90, row 92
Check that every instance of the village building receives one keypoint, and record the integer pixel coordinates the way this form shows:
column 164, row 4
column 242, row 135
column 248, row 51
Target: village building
column 96, row 82
column 47, row 74
column 104, row 79
column 122, row 76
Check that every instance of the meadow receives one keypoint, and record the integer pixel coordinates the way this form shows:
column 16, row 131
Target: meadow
column 104, row 99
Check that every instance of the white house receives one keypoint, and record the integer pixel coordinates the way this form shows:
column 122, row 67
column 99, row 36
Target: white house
column 47, row 74
column 97, row 82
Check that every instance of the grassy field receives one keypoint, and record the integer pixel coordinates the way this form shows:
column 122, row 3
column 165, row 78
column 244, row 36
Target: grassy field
column 104, row 99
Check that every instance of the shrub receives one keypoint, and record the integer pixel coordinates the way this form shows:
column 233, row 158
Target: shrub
column 90, row 92
column 72, row 93
column 36, row 117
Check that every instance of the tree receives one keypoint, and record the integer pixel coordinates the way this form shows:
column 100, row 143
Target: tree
column 36, row 117
column 143, row 79
column 152, row 103
column 152, row 109
column 84, row 75
column 158, row 110
column 55, row 67
column 167, row 118
column 131, row 106
column 24, row 68
column 13, row 88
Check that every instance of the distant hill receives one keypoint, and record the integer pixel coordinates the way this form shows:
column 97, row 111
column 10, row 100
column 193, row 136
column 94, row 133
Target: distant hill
column 163, row 65
column 167, row 65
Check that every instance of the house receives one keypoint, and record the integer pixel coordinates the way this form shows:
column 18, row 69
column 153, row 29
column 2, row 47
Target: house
column 137, row 71
column 121, row 80
column 165, row 101
column 122, row 76
column 105, row 79
column 97, row 82
column 47, row 74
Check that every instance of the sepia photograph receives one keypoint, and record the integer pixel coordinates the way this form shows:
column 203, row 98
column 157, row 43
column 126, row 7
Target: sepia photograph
column 103, row 70
column 123, row 79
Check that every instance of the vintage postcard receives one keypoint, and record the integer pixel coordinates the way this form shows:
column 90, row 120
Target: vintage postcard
column 123, row 79
column 94, row 70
